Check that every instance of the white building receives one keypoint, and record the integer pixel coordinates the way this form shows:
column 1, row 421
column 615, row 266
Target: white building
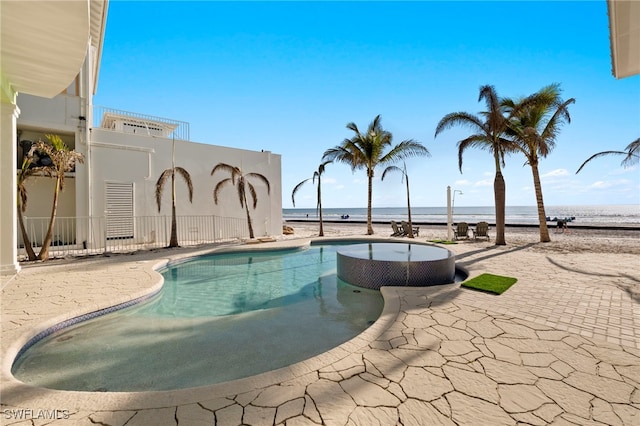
column 51, row 55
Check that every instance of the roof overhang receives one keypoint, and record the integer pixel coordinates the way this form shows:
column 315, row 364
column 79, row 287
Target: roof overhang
column 43, row 44
column 624, row 29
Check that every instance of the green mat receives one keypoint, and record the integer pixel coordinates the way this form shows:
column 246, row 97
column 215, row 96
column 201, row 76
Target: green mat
column 443, row 241
column 490, row 283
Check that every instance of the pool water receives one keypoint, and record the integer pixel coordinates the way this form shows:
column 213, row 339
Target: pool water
column 219, row 317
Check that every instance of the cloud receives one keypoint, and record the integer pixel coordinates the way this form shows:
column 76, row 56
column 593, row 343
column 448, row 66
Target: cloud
column 329, row 180
column 462, row 182
column 606, row 184
column 484, row 182
column 489, row 174
column 555, row 173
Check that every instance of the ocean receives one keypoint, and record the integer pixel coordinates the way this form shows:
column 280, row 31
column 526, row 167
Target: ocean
column 606, row 215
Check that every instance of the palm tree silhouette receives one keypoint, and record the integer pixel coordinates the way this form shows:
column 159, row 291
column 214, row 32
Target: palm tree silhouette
column 631, row 155
column 243, row 185
column 367, row 151
column 534, row 130
column 405, row 177
column 490, row 127
column 317, row 174
column 162, row 180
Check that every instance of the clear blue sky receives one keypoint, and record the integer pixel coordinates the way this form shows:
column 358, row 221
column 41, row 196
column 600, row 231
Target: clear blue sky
column 288, row 76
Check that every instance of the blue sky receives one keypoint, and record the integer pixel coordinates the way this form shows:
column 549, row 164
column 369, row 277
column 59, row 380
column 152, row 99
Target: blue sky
column 288, row 76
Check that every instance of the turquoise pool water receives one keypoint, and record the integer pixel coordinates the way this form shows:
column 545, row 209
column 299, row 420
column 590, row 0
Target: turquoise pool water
column 219, row 317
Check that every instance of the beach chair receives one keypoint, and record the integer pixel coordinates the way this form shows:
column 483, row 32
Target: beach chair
column 407, row 229
column 481, row 231
column 461, row 231
column 397, row 232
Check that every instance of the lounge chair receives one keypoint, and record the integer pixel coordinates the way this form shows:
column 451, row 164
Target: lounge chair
column 397, row 231
column 461, row 231
column 407, row 229
column 481, row 231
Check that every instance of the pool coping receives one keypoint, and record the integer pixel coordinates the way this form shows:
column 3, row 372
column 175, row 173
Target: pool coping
column 16, row 392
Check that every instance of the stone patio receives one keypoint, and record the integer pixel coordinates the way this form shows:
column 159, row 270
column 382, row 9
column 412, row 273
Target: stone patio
column 562, row 346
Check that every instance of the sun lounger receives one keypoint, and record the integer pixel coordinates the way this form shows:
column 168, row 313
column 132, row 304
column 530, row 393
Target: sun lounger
column 407, row 229
column 481, row 231
column 397, row 231
column 461, row 231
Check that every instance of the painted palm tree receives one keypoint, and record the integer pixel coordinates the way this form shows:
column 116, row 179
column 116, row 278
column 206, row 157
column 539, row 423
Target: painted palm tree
column 162, row 180
column 243, row 183
column 535, row 129
column 372, row 149
column 631, row 155
column 63, row 160
column 489, row 128
column 405, row 177
column 27, row 170
column 316, row 175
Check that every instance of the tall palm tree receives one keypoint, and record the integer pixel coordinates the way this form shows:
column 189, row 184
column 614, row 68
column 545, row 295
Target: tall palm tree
column 490, row 127
column 534, row 129
column 242, row 180
column 405, row 177
column 63, row 160
column 317, row 174
column 173, row 241
column 27, row 170
column 368, row 151
column 631, row 155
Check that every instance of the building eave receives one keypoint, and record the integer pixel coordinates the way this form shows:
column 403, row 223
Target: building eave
column 624, row 36
column 43, row 44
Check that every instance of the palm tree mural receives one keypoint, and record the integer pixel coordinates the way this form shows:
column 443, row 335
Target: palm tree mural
column 631, row 155
column 534, row 129
column 243, row 183
column 405, row 177
column 489, row 128
column 316, row 175
column 372, row 149
column 27, row 170
column 162, row 180
column 63, row 160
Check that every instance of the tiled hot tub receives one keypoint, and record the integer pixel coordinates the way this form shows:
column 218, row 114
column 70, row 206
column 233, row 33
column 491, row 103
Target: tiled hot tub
column 373, row 265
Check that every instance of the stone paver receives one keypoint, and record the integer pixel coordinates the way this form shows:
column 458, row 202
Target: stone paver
column 562, row 346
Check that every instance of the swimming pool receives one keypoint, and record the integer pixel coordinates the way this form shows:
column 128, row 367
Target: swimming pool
column 219, row 317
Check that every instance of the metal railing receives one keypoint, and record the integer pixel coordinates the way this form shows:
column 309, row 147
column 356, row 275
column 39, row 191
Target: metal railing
column 146, row 123
column 80, row 236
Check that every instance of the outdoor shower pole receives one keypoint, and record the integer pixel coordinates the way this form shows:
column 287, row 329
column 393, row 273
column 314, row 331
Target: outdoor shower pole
column 449, row 214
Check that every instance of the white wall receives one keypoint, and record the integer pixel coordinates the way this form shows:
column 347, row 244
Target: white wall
column 121, row 157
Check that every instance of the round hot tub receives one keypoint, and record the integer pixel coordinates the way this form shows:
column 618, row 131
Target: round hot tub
column 373, row 265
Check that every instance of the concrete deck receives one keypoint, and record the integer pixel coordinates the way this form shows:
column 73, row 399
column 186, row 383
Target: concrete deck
column 562, row 346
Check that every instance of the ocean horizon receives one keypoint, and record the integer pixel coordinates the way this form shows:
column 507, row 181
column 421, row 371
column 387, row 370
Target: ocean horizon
column 588, row 215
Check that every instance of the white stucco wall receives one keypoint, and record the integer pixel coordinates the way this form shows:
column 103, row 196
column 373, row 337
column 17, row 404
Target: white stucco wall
column 121, row 157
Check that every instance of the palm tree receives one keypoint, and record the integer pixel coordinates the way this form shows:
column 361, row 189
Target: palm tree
column 534, row 130
column 63, row 160
column 405, row 177
column 173, row 241
column 631, row 155
column 490, row 127
column 26, row 171
column 243, row 184
column 317, row 174
column 367, row 151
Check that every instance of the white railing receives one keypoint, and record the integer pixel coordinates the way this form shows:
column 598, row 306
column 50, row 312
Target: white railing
column 179, row 129
column 78, row 236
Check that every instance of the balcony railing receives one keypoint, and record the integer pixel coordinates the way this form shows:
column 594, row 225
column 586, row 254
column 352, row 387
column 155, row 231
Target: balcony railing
column 133, row 122
column 80, row 236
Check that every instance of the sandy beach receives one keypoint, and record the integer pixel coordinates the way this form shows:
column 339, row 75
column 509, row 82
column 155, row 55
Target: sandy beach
column 575, row 240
